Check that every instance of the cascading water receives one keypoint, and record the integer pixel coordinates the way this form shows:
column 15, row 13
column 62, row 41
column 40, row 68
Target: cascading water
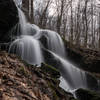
column 74, row 77
column 22, row 22
column 53, row 41
column 25, row 45
column 29, row 46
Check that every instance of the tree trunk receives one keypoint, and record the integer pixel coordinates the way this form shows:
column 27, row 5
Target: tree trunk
column 32, row 13
column 25, row 8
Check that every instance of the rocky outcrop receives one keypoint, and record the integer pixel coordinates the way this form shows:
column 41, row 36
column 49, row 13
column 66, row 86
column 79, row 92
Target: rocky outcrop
column 8, row 19
column 20, row 81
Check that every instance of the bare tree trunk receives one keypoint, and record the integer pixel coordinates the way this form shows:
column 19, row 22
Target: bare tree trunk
column 78, row 31
column 32, row 13
column 59, row 17
column 25, row 8
column 92, row 24
column 99, row 31
column 71, row 38
column 86, row 24
column 43, row 19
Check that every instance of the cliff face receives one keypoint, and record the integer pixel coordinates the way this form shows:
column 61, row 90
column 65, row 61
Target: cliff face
column 19, row 81
column 8, row 18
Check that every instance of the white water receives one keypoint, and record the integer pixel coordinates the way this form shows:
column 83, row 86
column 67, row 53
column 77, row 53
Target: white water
column 54, row 42
column 22, row 22
column 29, row 47
column 26, row 45
column 74, row 77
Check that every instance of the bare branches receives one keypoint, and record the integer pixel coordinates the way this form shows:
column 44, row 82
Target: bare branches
column 78, row 21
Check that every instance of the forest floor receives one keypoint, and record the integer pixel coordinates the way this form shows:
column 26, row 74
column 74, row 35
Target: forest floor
column 20, row 81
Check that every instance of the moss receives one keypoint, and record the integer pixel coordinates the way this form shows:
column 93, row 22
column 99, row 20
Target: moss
column 55, row 96
column 51, row 86
column 59, row 93
column 53, row 72
column 22, row 71
column 55, row 81
column 23, row 61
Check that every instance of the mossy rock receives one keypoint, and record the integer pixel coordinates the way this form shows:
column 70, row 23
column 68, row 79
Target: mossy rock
column 53, row 72
column 22, row 71
column 83, row 94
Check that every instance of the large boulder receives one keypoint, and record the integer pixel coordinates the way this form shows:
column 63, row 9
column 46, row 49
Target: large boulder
column 8, row 19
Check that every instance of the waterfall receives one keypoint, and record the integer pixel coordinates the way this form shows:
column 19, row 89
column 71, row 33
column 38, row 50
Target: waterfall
column 28, row 48
column 22, row 22
column 74, row 77
column 26, row 45
column 30, row 43
column 53, row 41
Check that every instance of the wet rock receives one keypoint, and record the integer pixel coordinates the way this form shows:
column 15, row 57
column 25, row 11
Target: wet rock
column 8, row 19
column 87, row 95
column 53, row 72
column 50, row 59
column 92, row 82
column 85, row 58
column 44, row 40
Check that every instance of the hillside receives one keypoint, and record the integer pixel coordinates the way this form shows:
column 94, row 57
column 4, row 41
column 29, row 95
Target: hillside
column 20, row 81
